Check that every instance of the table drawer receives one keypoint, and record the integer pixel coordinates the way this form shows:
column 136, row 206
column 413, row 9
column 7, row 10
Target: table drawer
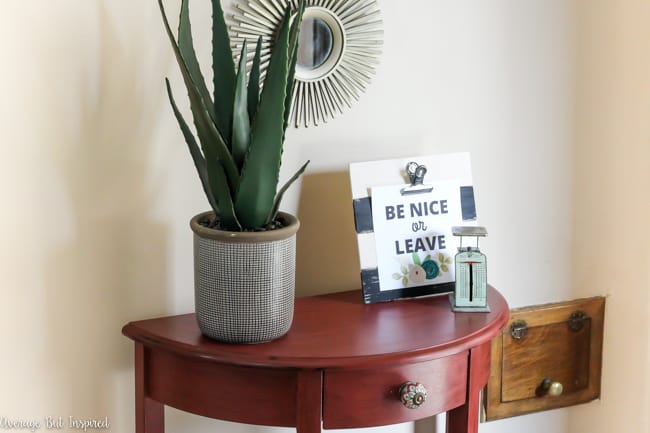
column 370, row 397
column 232, row 393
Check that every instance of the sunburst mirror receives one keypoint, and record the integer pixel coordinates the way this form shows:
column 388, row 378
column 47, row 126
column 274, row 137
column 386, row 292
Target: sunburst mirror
column 339, row 48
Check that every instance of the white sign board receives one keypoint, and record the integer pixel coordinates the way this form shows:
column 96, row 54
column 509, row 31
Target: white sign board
column 406, row 248
column 413, row 237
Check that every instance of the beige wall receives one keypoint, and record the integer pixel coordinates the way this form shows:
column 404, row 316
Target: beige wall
column 612, row 209
column 82, row 249
column 97, row 187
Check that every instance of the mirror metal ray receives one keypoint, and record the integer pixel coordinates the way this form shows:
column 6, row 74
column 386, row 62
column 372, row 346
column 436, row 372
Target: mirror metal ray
column 340, row 46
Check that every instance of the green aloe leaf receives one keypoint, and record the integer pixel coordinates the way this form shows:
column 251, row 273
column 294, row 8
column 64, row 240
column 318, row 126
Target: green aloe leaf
column 241, row 127
column 403, row 269
column 396, row 276
column 197, row 156
column 428, row 257
column 405, row 281
column 259, row 176
column 444, row 268
column 280, row 194
column 213, row 144
column 218, row 184
column 441, row 257
column 223, row 67
column 416, row 259
column 186, row 47
column 254, row 82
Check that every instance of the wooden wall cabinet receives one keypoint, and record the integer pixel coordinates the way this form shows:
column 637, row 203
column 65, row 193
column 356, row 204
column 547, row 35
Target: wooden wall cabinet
column 547, row 357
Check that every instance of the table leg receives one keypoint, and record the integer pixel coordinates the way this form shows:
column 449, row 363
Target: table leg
column 309, row 401
column 149, row 414
column 464, row 419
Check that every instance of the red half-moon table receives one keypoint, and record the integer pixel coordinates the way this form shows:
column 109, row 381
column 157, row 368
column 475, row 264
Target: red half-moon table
column 342, row 365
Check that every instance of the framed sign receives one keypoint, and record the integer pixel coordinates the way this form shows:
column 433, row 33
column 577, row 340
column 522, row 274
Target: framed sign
column 403, row 223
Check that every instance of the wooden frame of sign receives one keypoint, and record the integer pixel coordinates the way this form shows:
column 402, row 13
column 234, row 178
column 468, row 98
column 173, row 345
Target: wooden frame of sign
column 405, row 244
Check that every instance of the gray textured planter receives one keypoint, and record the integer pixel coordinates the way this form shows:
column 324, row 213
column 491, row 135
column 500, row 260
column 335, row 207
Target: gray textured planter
column 244, row 282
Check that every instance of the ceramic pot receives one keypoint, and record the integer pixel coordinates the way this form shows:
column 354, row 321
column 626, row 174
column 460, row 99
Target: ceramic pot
column 244, row 282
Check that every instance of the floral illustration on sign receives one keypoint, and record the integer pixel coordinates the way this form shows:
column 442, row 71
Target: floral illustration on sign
column 421, row 270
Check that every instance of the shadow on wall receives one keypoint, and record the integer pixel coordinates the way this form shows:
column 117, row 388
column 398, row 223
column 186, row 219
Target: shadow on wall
column 111, row 270
column 327, row 255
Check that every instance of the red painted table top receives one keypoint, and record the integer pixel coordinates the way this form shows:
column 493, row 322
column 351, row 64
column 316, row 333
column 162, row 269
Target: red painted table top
column 339, row 330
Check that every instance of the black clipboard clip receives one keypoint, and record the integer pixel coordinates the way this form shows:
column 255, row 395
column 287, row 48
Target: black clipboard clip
column 416, row 174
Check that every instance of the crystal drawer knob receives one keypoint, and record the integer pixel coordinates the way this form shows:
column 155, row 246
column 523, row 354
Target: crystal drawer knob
column 412, row 394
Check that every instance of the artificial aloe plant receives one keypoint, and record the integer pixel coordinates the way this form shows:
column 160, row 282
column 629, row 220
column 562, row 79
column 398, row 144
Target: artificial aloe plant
column 240, row 130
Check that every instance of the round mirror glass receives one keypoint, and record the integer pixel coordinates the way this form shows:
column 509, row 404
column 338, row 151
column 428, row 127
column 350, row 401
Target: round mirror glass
column 315, row 45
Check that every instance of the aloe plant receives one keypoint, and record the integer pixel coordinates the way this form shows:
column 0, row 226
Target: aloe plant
column 240, row 130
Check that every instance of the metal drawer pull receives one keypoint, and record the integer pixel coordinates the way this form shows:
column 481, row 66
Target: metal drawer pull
column 577, row 320
column 550, row 387
column 412, row 394
column 518, row 329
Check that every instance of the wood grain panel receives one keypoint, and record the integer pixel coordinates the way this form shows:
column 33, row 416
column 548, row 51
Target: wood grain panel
column 553, row 351
column 549, row 349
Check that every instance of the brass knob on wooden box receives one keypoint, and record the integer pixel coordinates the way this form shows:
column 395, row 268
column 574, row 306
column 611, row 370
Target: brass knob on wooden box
column 412, row 394
column 551, row 387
